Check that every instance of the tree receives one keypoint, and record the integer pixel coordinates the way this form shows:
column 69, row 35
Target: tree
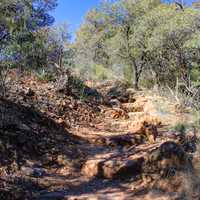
column 167, row 41
column 107, row 36
column 123, row 43
column 142, row 36
column 19, row 20
column 90, row 41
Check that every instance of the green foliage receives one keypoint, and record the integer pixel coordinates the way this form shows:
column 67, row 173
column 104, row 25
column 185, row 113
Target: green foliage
column 22, row 37
column 107, row 36
column 195, row 118
column 44, row 75
column 181, row 128
column 142, row 42
column 147, row 81
column 142, row 36
column 195, row 75
column 102, row 73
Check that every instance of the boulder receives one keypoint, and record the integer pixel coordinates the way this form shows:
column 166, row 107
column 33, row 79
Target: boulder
column 115, row 167
column 149, row 130
column 125, row 140
column 118, row 91
column 92, row 168
column 156, row 160
column 168, row 158
column 120, row 141
column 121, row 169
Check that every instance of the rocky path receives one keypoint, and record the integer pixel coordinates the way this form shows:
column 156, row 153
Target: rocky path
column 121, row 165
column 55, row 146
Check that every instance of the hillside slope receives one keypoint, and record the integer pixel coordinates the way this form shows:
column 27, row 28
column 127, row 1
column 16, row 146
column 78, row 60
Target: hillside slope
column 57, row 146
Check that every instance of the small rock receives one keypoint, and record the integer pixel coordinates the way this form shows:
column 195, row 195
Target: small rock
column 24, row 127
column 115, row 103
column 29, row 92
column 130, row 91
column 27, row 171
column 35, row 172
column 92, row 168
column 62, row 160
column 38, row 172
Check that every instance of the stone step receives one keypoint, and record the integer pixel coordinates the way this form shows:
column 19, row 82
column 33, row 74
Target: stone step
column 146, row 158
column 113, row 167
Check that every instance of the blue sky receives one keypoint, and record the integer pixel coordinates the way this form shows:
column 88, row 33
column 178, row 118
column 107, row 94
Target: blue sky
column 73, row 11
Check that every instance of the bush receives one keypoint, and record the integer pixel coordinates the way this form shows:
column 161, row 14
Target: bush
column 181, row 128
column 147, row 80
column 44, row 75
column 101, row 73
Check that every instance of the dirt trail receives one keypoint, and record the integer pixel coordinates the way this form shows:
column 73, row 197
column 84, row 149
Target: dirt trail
column 83, row 154
column 82, row 187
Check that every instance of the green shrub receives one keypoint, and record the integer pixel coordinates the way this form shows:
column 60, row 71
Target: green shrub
column 147, row 82
column 44, row 75
column 102, row 73
column 181, row 128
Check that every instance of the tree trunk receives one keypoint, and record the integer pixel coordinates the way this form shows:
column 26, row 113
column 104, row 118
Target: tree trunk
column 137, row 73
column 136, row 80
column 60, row 57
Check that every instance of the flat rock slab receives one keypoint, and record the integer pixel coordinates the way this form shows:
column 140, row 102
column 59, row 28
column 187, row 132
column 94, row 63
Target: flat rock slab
column 116, row 167
column 137, row 160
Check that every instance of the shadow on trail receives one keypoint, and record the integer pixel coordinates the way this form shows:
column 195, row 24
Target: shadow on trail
column 85, row 188
column 28, row 137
